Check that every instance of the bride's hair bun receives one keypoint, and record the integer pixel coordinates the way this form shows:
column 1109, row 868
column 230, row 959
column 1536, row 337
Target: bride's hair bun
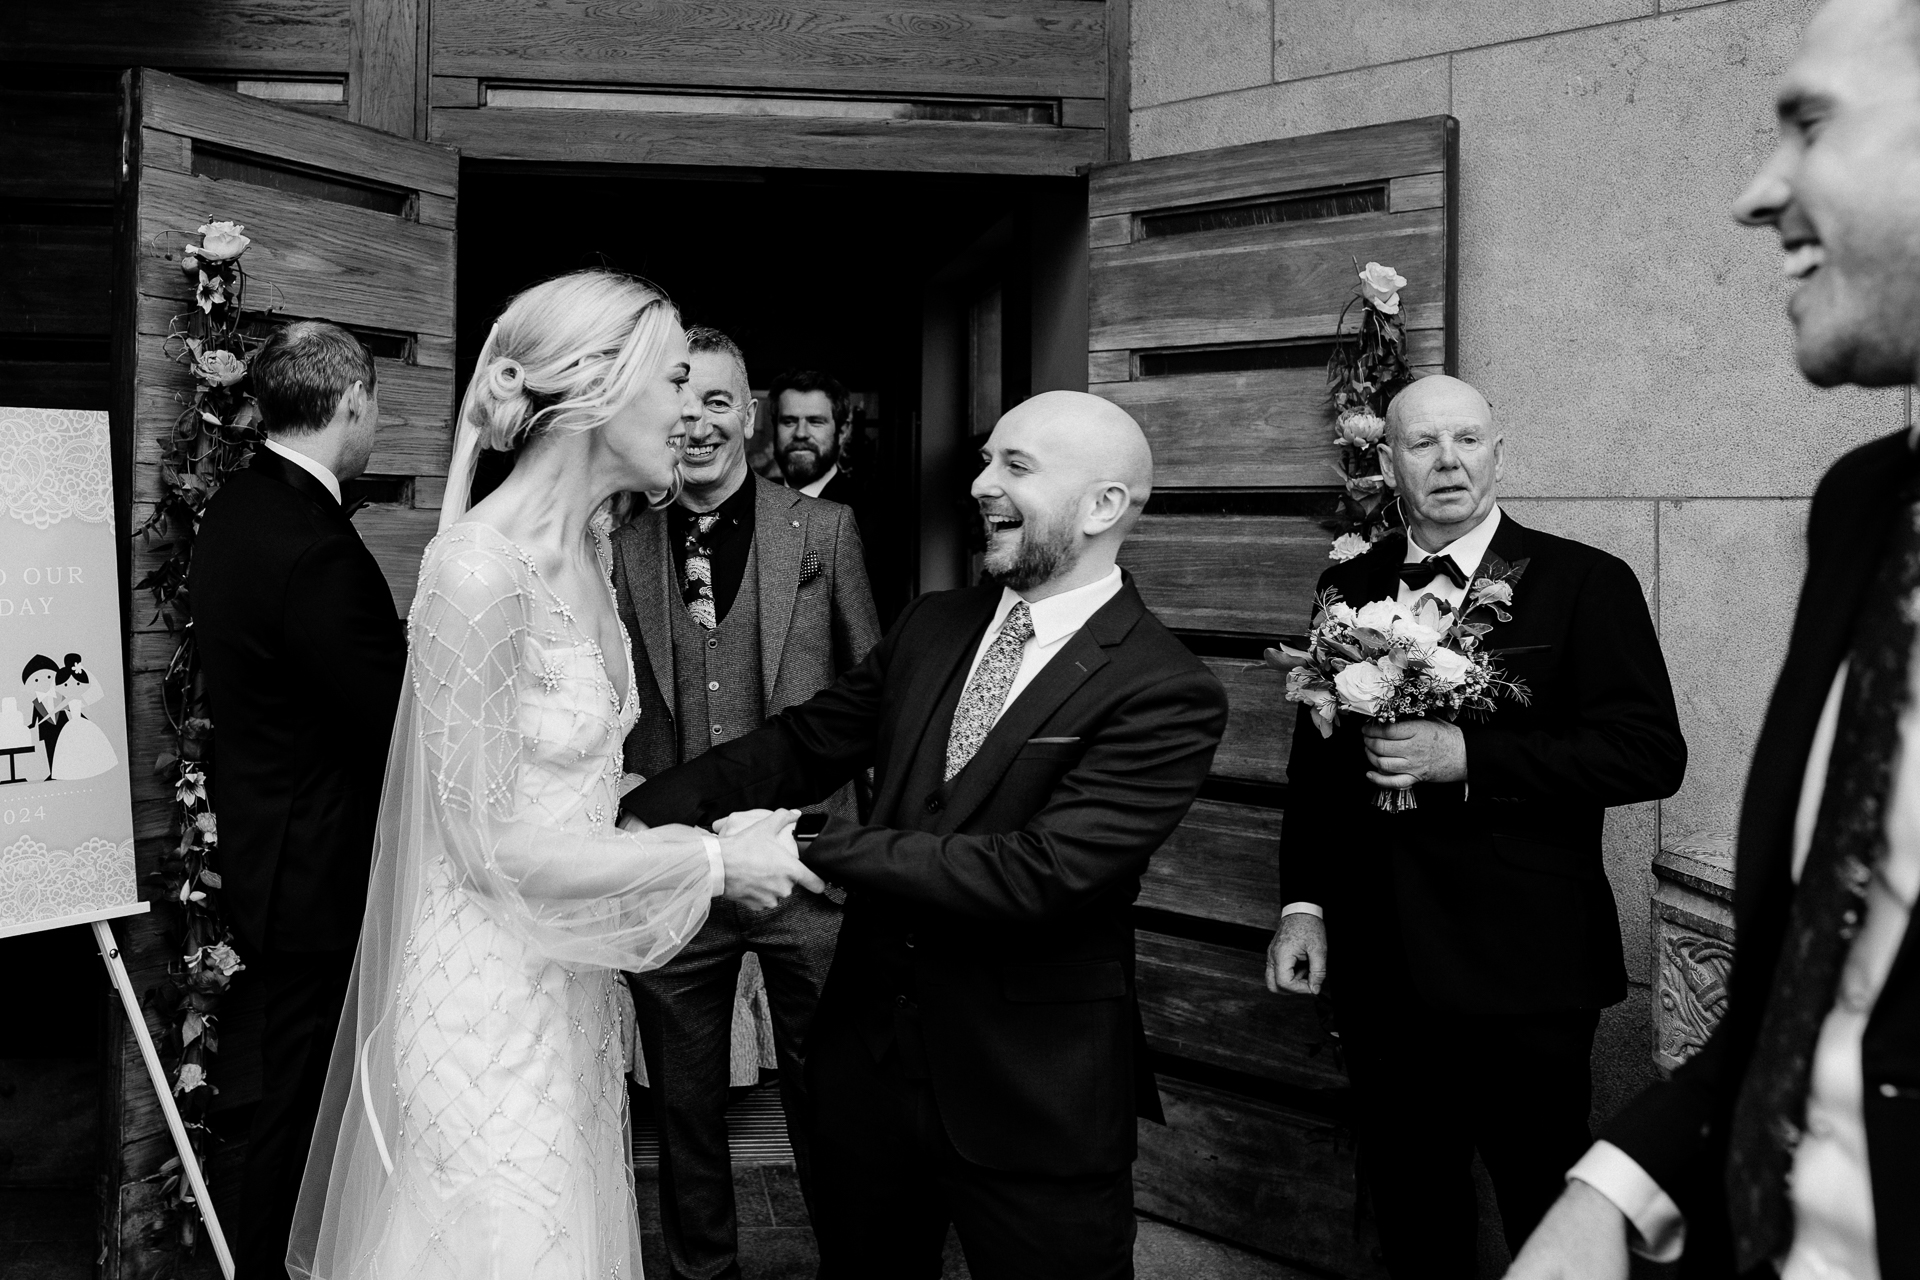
column 507, row 377
column 503, row 407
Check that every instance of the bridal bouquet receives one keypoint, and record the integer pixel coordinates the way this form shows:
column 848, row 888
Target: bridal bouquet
column 1385, row 661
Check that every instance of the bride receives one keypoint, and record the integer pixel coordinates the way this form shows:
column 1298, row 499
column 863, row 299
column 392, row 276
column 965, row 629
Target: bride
column 475, row 1117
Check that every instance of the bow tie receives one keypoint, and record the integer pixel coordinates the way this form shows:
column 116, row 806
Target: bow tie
column 1425, row 571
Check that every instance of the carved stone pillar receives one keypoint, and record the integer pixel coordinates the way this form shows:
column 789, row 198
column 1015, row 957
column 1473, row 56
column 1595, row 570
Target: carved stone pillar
column 1692, row 942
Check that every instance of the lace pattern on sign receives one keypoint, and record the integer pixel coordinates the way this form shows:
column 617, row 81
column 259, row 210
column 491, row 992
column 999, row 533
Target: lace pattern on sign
column 55, row 463
column 38, row 883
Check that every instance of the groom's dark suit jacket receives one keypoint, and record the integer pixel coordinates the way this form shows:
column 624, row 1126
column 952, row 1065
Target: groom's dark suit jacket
column 1677, row 1130
column 303, row 654
column 997, row 903
column 1491, row 897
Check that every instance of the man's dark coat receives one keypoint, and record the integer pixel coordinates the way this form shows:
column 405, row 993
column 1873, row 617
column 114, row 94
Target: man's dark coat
column 1677, row 1130
column 1000, row 899
column 1491, row 897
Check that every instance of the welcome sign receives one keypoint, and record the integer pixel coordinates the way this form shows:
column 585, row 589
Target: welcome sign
column 66, row 814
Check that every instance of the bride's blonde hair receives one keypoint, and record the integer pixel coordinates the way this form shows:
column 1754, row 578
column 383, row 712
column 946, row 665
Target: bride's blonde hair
column 565, row 355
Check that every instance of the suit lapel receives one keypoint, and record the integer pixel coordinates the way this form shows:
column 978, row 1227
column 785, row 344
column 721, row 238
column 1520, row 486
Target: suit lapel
column 649, row 567
column 780, row 538
column 948, row 644
column 1083, row 654
column 1510, row 544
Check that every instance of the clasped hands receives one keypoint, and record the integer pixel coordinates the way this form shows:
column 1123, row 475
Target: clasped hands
column 758, row 850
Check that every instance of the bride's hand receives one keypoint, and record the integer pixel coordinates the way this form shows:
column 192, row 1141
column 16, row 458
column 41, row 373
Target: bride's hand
column 740, row 821
column 763, row 864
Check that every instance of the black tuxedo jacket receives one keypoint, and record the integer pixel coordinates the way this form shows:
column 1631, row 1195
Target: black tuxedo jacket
column 998, row 903
column 1677, row 1130
column 1491, row 897
column 304, row 656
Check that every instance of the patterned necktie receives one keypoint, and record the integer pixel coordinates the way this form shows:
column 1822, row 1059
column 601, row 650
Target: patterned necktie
column 986, row 693
column 1849, row 838
column 696, row 587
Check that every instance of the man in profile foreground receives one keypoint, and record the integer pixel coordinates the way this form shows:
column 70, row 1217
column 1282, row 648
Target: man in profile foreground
column 1790, row 1143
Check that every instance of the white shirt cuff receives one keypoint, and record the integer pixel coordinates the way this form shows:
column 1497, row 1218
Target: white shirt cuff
column 1302, row 909
column 716, row 866
column 1660, row 1232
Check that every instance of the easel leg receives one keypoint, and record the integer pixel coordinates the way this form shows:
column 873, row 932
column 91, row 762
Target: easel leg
column 117, row 972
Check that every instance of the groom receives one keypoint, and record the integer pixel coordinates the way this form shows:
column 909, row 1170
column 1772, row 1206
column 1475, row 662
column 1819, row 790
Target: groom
column 977, row 1057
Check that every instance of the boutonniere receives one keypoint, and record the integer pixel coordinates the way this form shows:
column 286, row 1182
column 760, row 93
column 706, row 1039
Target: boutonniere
column 1491, row 589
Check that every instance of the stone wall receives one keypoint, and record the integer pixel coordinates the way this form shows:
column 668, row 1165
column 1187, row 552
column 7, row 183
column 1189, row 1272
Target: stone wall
column 1631, row 338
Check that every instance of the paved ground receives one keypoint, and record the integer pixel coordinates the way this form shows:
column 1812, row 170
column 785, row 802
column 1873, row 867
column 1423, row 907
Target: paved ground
column 47, row 1234
column 776, row 1243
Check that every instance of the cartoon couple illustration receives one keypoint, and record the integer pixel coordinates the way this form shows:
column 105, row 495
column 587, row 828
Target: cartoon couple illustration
column 57, row 698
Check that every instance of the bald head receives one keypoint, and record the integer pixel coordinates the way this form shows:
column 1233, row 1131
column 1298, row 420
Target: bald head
column 1065, row 477
column 1438, row 399
column 1098, row 439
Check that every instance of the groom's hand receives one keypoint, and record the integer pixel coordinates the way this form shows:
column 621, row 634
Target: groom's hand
column 763, row 864
column 740, row 821
column 1410, row 751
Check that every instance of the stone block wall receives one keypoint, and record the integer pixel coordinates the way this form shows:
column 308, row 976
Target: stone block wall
column 1632, row 338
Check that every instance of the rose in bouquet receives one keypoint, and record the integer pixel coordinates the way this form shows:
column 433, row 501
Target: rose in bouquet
column 1387, row 661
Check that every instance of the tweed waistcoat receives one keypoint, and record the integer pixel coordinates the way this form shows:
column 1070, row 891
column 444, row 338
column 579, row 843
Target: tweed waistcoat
column 716, row 674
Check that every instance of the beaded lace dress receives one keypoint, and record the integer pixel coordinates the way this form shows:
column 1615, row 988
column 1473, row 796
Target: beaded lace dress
column 475, row 1122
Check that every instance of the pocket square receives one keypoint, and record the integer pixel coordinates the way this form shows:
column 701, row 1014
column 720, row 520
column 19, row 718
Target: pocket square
column 809, row 568
column 1032, row 741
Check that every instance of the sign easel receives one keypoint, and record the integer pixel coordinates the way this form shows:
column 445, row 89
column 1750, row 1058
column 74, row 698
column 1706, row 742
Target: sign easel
column 130, row 1001
column 66, row 801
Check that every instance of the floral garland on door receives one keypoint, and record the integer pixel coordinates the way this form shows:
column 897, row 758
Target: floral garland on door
column 1363, row 375
column 213, row 437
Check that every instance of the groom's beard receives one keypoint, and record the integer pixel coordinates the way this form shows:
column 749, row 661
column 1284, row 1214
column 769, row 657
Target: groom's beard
column 1045, row 552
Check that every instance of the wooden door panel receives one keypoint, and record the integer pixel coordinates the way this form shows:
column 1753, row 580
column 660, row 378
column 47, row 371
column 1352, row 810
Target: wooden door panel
column 1216, row 285
column 1252, row 574
column 1260, row 721
column 1220, row 864
column 1255, row 1172
column 1265, row 427
column 349, row 265
column 1209, row 1003
column 1281, row 166
column 1258, row 284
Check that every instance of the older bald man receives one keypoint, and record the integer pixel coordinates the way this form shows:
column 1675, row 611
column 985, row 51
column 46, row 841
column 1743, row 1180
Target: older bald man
column 1468, row 945
column 977, row 1058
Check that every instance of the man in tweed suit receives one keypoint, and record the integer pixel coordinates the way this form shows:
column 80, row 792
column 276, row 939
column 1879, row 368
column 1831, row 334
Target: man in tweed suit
column 742, row 598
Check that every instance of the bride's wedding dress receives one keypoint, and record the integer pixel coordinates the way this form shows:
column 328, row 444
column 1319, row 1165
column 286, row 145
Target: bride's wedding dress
column 475, row 1122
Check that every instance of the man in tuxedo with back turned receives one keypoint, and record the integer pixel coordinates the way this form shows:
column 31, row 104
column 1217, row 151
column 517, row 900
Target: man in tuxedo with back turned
column 304, row 656
column 1790, row 1143
column 977, row 1058
column 1469, row 944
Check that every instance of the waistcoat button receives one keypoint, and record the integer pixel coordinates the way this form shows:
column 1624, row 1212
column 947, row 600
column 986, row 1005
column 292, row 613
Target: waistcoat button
column 933, row 804
column 713, row 685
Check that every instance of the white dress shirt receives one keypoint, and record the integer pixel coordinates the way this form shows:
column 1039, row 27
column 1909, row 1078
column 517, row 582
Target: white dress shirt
column 312, row 468
column 1055, row 619
column 1831, row 1188
column 1467, row 551
column 813, row 487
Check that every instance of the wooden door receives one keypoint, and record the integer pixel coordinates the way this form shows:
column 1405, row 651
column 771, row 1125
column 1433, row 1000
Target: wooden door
column 1216, row 281
column 349, row 225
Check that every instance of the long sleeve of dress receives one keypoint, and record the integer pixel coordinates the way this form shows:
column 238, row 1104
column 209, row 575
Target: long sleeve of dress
column 519, row 751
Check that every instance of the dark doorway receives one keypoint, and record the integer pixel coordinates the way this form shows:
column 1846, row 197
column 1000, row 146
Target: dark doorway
column 937, row 299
